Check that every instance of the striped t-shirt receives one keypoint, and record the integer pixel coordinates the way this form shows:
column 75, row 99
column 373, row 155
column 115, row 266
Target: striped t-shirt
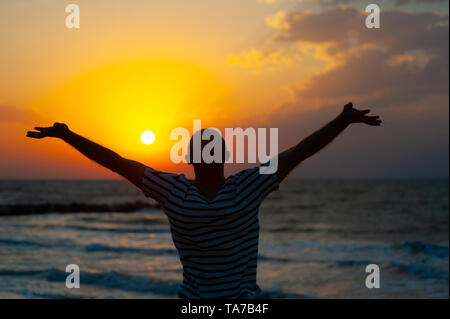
column 216, row 238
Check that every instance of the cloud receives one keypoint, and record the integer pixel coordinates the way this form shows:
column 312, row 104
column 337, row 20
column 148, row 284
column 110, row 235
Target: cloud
column 372, row 79
column 412, row 59
column 278, row 21
column 404, row 2
column 256, row 58
column 267, row 1
column 403, row 61
column 396, row 2
column 345, row 28
column 400, row 71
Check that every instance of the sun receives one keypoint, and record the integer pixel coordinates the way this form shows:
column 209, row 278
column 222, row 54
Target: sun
column 148, row 137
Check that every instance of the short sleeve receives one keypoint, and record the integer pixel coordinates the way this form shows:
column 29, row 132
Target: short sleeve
column 158, row 185
column 255, row 184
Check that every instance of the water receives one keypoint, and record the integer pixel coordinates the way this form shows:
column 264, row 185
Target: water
column 316, row 239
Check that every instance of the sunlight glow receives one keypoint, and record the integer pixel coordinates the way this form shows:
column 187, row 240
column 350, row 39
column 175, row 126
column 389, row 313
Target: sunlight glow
column 127, row 98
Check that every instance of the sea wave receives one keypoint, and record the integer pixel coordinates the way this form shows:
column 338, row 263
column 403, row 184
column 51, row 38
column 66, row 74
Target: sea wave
column 139, row 220
column 419, row 247
column 273, row 259
column 33, row 244
column 112, row 279
column 120, row 230
column 45, row 208
column 125, row 282
column 416, row 269
column 421, row 271
column 278, row 294
column 92, row 248
column 150, row 251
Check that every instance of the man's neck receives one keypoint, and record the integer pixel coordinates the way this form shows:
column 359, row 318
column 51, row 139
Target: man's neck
column 209, row 182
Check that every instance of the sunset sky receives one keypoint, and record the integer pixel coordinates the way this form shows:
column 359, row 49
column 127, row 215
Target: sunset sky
column 137, row 65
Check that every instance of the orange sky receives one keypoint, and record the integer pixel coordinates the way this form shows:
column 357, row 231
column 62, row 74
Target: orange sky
column 141, row 65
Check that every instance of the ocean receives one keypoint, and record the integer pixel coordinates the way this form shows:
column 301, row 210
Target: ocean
column 317, row 237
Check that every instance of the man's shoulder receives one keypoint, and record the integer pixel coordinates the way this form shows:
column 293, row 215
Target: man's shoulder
column 245, row 173
column 151, row 173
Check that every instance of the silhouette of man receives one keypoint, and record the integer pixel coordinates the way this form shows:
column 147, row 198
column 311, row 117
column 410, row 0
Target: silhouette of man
column 213, row 219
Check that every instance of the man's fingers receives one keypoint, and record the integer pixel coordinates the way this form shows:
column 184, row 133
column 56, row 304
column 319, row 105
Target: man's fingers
column 374, row 122
column 35, row 134
column 371, row 119
column 40, row 129
column 364, row 112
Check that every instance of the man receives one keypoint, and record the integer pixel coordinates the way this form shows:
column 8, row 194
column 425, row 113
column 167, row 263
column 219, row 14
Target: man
column 213, row 219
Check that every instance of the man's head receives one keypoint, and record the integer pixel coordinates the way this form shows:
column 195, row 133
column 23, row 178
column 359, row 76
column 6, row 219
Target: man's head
column 207, row 150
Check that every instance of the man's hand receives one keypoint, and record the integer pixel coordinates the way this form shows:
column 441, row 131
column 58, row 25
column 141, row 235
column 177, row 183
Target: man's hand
column 57, row 130
column 352, row 115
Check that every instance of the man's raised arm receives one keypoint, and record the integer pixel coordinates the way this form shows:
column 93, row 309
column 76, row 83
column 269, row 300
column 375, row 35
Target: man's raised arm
column 131, row 170
column 290, row 158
